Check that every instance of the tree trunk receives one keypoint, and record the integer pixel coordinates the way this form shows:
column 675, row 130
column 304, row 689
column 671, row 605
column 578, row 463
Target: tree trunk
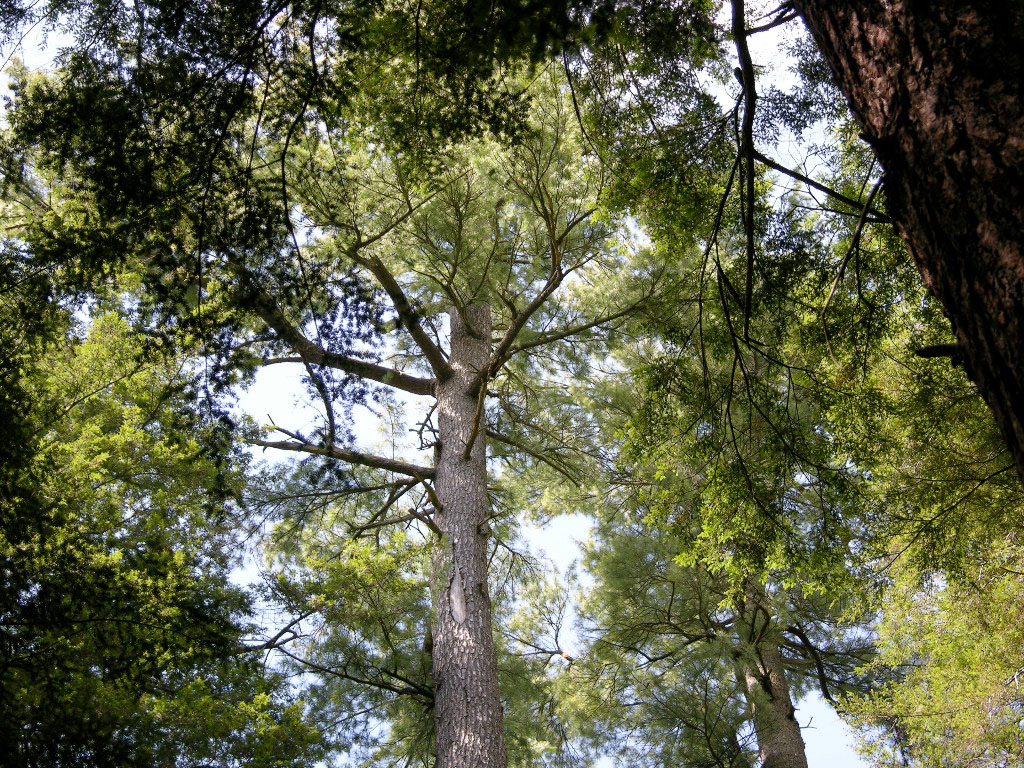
column 763, row 680
column 779, row 742
column 468, row 721
column 937, row 89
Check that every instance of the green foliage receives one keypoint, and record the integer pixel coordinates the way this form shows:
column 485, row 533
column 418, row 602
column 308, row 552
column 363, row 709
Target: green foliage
column 778, row 449
column 941, row 507
column 361, row 606
column 119, row 625
column 951, row 653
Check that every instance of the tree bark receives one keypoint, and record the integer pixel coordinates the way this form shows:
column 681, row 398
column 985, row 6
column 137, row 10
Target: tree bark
column 937, row 90
column 468, row 718
column 779, row 741
column 762, row 676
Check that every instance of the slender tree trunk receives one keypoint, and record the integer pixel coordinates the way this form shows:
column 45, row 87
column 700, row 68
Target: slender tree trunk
column 763, row 680
column 468, row 720
column 938, row 89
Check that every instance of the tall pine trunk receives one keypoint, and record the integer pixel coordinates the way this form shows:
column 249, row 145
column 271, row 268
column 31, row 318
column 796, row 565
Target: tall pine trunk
column 779, row 741
column 938, row 90
column 762, row 676
column 468, row 720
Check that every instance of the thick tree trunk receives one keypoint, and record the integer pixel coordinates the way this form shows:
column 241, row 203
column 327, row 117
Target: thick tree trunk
column 762, row 676
column 468, row 722
column 779, row 742
column 937, row 88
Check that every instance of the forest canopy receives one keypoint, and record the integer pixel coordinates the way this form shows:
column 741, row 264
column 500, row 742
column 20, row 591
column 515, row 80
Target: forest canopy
column 669, row 270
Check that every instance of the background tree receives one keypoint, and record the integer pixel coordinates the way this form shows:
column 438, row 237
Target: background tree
column 123, row 642
column 757, row 614
column 733, row 446
column 685, row 666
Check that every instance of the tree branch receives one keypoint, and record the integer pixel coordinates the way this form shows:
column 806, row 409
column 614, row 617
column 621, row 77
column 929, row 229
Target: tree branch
column 477, row 419
column 784, row 17
column 407, row 315
column 555, row 465
column 352, row 457
column 314, row 354
column 878, row 215
column 409, row 689
column 431, row 493
column 357, row 530
column 940, row 350
column 286, row 635
column 747, row 80
column 427, row 520
column 854, row 245
column 501, row 352
column 819, row 667
column 563, row 334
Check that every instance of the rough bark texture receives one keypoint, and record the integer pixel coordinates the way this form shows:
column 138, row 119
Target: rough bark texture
column 763, row 680
column 468, row 721
column 937, row 89
column 779, row 742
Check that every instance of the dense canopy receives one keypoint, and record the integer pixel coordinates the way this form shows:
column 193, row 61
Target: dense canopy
column 652, row 267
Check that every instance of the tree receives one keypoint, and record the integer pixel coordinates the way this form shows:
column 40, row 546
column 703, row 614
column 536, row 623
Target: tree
column 731, row 448
column 937, row 93
column 123, row 642
column 483, row 241
column 709, row 627
column 207, row 216
column 477, row 236
column 685, row 667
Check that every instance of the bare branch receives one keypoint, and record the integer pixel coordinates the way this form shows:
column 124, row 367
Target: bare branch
column 566, row 333
column 501, row 352
column 286, row 635
column 574, row 222
column 558, row 466
column 427, row 520
column 854, row 245
column 413, row 689
column 819, row 667
column 478, row 417
column 431, row 493
column 408, row 518
column 407, row 315
column 747, row 80
column 314, row 354
column 940, row 350
column 877, row 215
column 352, row 457
column 782, row 18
